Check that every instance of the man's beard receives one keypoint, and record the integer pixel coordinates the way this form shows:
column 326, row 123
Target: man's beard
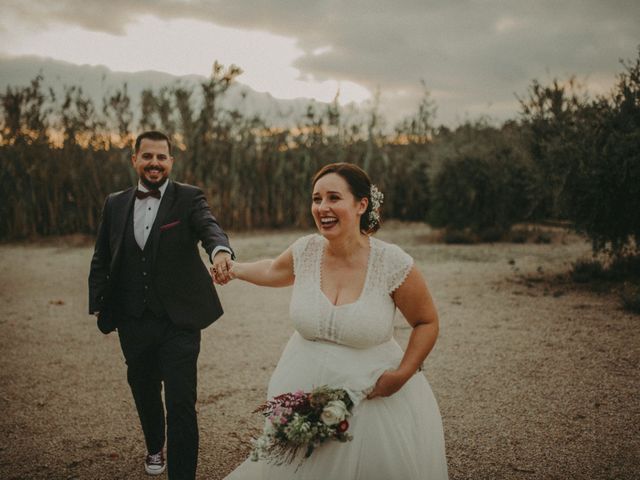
column 153, row 185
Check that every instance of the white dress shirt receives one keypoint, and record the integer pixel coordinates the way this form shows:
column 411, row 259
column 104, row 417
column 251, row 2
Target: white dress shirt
column 144, row 214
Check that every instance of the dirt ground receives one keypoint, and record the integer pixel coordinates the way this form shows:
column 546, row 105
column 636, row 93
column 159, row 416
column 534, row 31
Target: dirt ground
column 535, row 378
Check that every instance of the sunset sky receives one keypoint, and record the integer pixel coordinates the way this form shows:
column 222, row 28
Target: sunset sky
column 473, row 55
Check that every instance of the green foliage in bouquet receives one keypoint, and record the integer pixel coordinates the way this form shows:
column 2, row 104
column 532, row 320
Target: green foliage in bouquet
column 302, row 421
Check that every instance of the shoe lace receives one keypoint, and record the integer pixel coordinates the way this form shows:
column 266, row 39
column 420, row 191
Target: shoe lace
column 155, row 458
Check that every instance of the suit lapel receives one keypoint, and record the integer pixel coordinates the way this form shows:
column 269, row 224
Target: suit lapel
column 120, row 217
column 163, row 210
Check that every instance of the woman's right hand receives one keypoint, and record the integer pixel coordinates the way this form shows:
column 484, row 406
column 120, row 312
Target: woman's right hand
column 388, row 383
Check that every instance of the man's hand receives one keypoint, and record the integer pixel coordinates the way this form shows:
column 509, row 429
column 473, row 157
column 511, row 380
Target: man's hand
column 220, row 272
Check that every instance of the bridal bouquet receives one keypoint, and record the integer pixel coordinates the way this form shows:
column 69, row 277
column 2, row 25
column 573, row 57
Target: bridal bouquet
column 301, row 421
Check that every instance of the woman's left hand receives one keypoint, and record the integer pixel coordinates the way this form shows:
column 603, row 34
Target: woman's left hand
column 388, row 383
column 221, row 269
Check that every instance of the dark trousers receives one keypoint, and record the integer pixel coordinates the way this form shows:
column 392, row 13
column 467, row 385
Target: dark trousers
column 157, row 352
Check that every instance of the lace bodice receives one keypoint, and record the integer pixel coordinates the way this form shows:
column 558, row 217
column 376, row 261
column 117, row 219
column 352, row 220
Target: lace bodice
column 361, row 324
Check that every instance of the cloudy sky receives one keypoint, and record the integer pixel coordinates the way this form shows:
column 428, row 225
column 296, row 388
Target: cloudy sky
column 473, row 55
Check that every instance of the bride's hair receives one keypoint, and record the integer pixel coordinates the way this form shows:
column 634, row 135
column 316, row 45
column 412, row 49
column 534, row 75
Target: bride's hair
column 360, row 186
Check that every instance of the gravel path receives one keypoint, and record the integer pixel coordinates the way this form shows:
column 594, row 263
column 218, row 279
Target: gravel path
column 536, row 379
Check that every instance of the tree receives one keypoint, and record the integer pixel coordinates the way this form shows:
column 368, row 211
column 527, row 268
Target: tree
column 603, row 191
column 552, row 115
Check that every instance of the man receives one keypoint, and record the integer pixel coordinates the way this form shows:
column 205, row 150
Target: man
column 148, row 281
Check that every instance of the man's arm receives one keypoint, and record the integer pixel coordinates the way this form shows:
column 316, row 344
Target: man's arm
column 219, row 249
column 208, row 230
column 100, row 263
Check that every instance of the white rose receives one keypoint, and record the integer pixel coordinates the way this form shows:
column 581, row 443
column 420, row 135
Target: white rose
column 334, row 412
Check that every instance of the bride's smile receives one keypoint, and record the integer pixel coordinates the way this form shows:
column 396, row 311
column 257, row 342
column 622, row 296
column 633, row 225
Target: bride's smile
column 335, row 209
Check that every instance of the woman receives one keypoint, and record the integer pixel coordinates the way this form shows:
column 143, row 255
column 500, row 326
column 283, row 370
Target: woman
column 346, row 287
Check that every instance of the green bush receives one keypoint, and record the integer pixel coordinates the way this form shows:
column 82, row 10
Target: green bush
column 543, row 237
column 603, row 189
column 585, row 271
column 625, row 267
column 518, row 236
column 485, row 192
column 491, row 234
column 589, row 151
column 454, row 236
column 630, row 295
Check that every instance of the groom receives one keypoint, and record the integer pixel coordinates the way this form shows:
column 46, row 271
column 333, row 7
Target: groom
column 148, row 281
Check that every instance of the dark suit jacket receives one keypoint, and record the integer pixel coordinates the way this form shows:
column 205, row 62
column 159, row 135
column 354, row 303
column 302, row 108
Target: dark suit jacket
column 180, row 278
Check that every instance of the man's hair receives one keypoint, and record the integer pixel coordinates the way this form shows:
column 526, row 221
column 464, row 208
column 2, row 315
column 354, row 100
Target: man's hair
column 152, row 135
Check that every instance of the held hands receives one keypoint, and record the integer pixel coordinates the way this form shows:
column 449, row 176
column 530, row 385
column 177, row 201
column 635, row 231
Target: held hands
column 221, row 271
column 388, row 383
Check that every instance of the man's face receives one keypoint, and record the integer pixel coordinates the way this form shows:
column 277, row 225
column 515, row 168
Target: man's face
column 152, row 162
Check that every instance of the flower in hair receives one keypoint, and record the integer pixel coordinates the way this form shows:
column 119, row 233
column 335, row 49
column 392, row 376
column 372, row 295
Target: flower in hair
column 377, row 198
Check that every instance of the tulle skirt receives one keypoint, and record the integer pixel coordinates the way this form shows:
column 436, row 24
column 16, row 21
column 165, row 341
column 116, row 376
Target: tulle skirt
column 394, row 438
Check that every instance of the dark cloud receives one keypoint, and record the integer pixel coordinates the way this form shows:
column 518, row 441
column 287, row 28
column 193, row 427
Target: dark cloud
column 470, row 53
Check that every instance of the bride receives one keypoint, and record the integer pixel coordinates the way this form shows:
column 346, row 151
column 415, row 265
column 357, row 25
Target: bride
column 346, row 287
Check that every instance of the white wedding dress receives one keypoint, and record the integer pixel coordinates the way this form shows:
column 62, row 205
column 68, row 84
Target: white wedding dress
column 394, row 438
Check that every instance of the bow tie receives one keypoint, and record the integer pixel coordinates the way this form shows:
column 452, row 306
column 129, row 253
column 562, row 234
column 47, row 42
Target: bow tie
column 151, row 193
